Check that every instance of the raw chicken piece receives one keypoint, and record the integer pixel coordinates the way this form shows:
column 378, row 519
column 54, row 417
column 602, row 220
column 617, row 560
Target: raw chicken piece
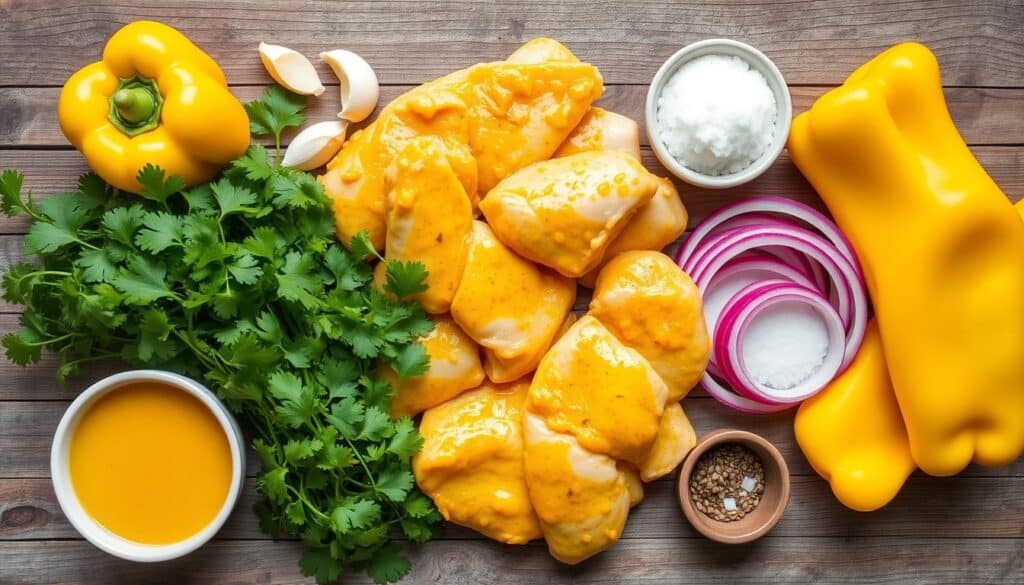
column 655, row 225
column 602, row 130
column 471, row 463
column 676, row 438
column 508, row 115
column 502, row 370
column 581, row 498
column 430, row 219
column 454, row 368
column 564, row 212
column 652, row 306
column 507, row 304
column 604, row 394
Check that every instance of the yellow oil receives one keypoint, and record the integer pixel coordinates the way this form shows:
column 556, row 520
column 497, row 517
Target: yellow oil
column 151, row 463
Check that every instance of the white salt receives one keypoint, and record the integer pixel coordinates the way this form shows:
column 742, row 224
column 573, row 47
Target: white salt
column 716, row 115
column 748, row 484
column 784, row 345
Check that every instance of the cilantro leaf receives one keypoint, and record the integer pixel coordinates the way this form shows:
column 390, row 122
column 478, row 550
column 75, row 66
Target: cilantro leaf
column 121, row 223
column 319, row 564
column 255, row 164
column 298, row 450
column 276, row 110
column 405, row 442
column 157, row 187
column 143, row 282
column 96, row 266
column 298, row 402
column 405, row 278
column 376, row 425
column 346, row 415
column 10, row 192
column 388, row 565
column 232, row 198
column 361, row 248
column 296, row 281
column 354, row 514
column 160, row 230
column 411, row 361
column 273, row 484
column 394, row 483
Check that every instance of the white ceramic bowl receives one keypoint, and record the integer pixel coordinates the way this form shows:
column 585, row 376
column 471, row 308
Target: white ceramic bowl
column 758, row 61
column 92, row 530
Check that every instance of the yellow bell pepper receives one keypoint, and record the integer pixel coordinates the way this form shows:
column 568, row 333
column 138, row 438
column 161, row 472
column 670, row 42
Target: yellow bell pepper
column 942, row 251
column 853, row 435
column 154, row 98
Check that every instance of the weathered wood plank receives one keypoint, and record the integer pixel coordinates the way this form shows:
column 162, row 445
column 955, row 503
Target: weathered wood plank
column 978, row 43
column 985, row 116
column 790, row 561
column 26, row 431
column 50, row 172
column 962, row 507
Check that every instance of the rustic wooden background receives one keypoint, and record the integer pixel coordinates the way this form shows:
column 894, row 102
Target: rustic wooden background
column 964, row 529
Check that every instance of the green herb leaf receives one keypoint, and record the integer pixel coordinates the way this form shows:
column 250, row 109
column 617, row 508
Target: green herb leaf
column 276, row 110
column 155, row 186
column 10, row 192
column 388, row 565
column 405, row 278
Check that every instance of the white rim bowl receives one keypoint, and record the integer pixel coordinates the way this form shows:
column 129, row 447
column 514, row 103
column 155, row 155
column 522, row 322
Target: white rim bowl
column 93, row 531
column 759, row 62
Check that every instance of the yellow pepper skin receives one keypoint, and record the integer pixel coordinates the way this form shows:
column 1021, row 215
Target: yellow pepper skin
column 853, row 435
column 176, row 111
column 942, row 251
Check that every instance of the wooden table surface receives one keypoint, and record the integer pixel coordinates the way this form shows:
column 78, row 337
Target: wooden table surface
column 964, row 529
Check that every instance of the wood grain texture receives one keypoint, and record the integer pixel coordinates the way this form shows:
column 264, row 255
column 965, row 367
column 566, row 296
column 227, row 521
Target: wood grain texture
column 964, row 530
column 955, row 507
column 781, row 561
column 978, row 43
column 984, row 116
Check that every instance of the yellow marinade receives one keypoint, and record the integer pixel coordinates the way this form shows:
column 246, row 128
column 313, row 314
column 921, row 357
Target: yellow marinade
column 150, row 463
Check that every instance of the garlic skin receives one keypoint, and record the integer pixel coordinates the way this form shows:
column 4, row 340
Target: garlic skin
column 359, row 87
column 314, row 146
column 291, row 69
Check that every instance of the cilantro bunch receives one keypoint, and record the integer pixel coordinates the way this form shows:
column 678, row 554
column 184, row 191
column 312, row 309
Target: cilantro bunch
column 240, row 282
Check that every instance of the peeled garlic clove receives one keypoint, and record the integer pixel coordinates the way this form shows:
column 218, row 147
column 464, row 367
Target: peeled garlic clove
column 291, row 69
column 314, row 146
column 359, row 87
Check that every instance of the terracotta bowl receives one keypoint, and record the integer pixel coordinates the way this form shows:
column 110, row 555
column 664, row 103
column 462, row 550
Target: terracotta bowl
column 773, row 502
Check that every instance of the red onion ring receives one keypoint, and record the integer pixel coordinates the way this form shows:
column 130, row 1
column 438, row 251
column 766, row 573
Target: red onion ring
column 743, row 308
column 756, row 267
column 768, row 205
column 774, row 238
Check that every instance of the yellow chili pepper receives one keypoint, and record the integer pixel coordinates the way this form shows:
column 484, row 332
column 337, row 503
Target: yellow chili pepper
column 942, row 251
column 853, row 435
column 154, row 98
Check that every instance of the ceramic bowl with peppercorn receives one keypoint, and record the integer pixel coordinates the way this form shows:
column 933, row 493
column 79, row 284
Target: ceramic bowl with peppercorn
column 734, row 486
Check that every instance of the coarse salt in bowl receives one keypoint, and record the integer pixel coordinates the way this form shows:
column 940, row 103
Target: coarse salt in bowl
column 727, row 113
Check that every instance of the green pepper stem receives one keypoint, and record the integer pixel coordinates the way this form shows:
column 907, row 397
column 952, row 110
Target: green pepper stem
column 135, row 106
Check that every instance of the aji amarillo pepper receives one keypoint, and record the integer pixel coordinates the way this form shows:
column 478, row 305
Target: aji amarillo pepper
column 853, row 435
column 852, row 432
column 942, row 251
column 155, row 98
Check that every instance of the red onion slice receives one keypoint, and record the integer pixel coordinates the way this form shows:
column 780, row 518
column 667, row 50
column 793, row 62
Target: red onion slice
column 737, row 322
column 850, row 296
column 768, row 205
column 739, row 273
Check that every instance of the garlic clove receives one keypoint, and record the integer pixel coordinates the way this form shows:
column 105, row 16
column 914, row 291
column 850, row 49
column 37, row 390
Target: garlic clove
column 314, row 146
column 291, row 69
column 359, row 87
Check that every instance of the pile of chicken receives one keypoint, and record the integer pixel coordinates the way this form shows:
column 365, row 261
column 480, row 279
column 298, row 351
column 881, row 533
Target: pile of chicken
column 551, row 432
